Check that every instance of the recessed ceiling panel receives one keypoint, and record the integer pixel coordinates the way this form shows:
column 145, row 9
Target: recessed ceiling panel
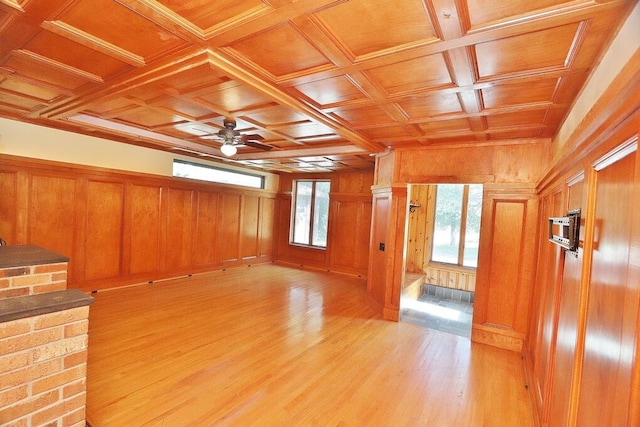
column 482, row 12
column 115, row 24
column 207, row 14
column 366, row 26
column 501, row 95
column 432, row 104
column 186, row 108
column 235, row 98
column 38, row 70
column 274, row 49
column 111, row 107
column 527, row 133
column 413, row 75
column 364, row 116
column 149, row 118
column 387, row 133
column 14, row 101
column 28, row 89
column 514, row 119
column 67, row 52
column 277, row 116
column 331, row 91
column 306, row 130
column 526, row 53
column 436, row 126
column 192, row 80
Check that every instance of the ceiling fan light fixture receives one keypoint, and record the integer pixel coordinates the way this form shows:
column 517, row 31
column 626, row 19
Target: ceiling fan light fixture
column 228, row 149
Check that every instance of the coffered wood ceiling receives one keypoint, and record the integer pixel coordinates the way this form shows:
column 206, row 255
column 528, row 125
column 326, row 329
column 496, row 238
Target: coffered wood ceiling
column 325, row 82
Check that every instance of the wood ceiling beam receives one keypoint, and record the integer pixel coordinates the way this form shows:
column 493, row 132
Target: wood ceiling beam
column 302, row 152
column 283, row 98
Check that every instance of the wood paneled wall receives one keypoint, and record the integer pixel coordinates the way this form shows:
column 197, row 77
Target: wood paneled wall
column 582, row 355
column 420, row 227
column 121, row 228
column 349, row 224
column 504, row 276
column 506, row 263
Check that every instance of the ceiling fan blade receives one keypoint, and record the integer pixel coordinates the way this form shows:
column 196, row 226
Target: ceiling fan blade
column 257, row 145
column 252, row 137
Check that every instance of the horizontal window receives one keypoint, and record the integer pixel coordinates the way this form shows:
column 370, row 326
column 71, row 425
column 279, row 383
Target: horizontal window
column 182, row 169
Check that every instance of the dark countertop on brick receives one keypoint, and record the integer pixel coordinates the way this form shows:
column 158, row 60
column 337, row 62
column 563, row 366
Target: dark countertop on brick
column 26, row 255
column 35, row 305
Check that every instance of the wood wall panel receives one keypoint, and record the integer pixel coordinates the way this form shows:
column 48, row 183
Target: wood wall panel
column 351, row 219
column 582, row 356
column 376, row 283
column 505, row 268
column 362, row 242
column 178, row 233
column 547, row 284
column 206, row 225
column 145, row 229
column 613, row 303
column 229, row 228
column 343, row 239
column 451, row 277
column 103, row 230
column 419, row 237
column 349, row 224
column 52, row 214
column 8, row 206
column 121, row 228
column 266, row 224
column 568, row 303
column 508, row 226
column 250, row 237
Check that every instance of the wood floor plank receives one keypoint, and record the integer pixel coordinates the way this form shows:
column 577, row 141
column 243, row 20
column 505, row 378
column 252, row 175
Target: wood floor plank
column 276, row 346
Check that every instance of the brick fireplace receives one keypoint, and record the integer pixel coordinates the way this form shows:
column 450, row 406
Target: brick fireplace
column 43, row 340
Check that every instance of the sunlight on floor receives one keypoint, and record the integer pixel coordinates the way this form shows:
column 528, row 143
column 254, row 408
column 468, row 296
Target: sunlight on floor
column 432, row 309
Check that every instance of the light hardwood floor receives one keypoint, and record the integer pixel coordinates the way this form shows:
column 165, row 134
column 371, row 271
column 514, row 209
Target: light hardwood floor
column 275, row 346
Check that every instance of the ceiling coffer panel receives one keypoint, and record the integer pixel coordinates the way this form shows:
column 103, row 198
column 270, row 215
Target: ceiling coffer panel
column 367, row 27
column 289, row 51
column 321, row 83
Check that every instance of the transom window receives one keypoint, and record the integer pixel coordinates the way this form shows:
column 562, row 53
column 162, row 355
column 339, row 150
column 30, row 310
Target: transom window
column 456, row 231
column 310, row 212
column 182, row 169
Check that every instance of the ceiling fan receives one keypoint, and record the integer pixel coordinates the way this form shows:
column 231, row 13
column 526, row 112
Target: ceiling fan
column 231, row 139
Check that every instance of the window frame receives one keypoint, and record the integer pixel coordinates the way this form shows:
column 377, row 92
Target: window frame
column 294, row 200
column 215, row 168
column 463, row 229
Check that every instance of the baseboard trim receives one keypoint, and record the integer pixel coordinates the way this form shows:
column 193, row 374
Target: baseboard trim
column 495, row 336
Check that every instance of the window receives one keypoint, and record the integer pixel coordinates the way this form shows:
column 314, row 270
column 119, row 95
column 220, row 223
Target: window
column 456, row 232
column 182, row 169
column 310, row 213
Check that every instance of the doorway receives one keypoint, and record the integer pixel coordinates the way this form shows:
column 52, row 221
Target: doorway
column 443, row 229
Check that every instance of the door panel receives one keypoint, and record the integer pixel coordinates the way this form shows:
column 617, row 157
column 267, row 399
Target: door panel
column 612, row 309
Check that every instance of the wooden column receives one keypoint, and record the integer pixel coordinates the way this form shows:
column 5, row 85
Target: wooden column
column 387, row 250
